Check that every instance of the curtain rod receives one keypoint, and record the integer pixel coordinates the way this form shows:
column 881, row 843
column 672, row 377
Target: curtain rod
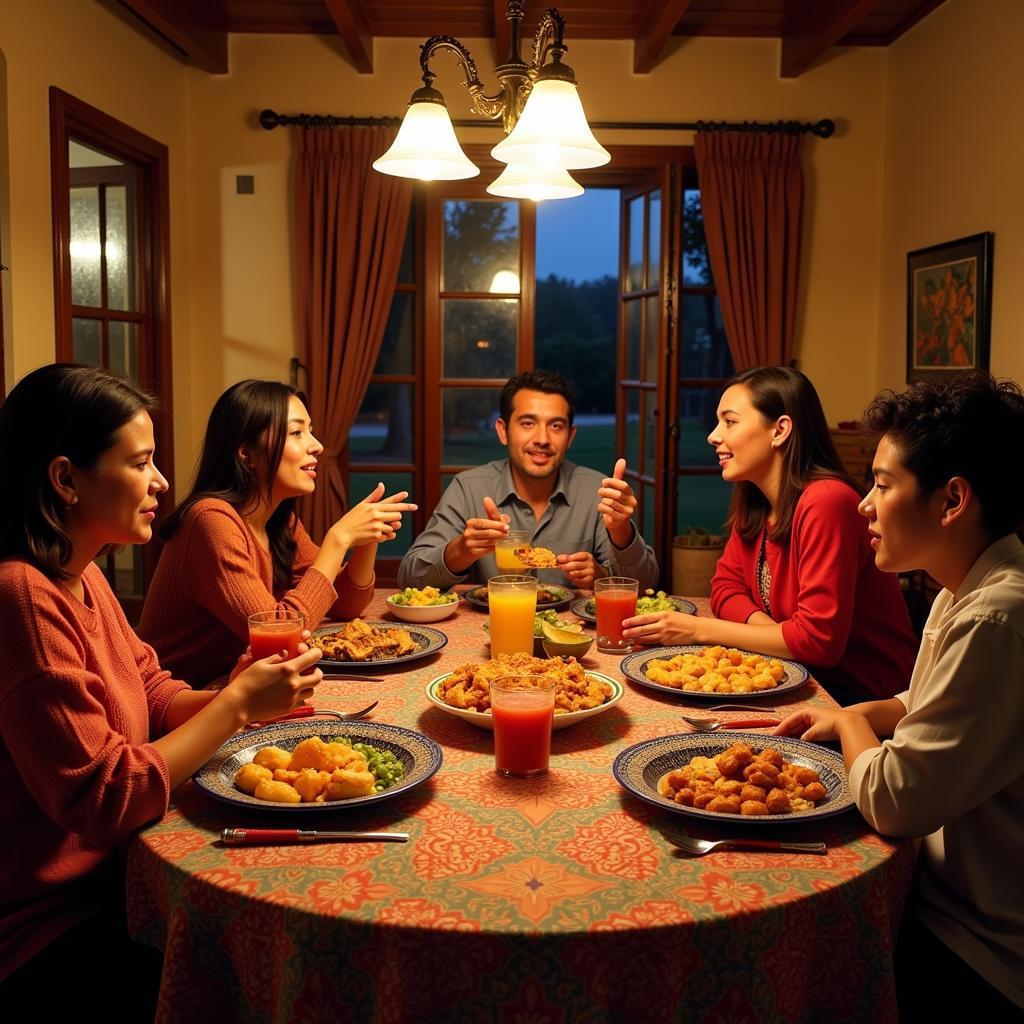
column 823, row 129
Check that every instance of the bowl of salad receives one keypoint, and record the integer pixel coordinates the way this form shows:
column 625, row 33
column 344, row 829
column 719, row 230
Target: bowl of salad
column 426, row 605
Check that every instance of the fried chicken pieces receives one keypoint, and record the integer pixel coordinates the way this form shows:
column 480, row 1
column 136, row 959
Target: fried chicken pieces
column 717, row 670
column 314, row 772
column 357, row 641
column 741, row 781
column 469, row 686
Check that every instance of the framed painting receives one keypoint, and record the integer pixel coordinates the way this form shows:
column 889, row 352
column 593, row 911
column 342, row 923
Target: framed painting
column 949, row 306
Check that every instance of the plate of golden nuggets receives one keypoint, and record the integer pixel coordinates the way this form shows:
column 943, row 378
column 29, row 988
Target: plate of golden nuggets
column 745, row 778
column 579, row 694
column 706, row 673
column 304, row 767
column 358, row 643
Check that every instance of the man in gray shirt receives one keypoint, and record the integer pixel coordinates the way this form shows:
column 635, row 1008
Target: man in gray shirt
column 586, row 518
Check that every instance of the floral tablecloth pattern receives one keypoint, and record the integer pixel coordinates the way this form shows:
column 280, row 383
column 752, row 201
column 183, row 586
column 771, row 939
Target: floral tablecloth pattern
column 521, row 901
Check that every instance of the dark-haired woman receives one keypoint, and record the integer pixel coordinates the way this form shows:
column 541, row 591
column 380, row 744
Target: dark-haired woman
column 797, row 578
column 94, row 735
column 235, row 545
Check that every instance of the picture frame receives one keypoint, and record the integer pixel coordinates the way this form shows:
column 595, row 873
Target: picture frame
column 949, row 307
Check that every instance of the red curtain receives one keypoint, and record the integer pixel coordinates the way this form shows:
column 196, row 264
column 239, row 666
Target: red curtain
column 350, row 225
column 751, row 188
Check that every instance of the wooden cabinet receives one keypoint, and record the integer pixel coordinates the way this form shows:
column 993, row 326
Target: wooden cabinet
column 856, row 452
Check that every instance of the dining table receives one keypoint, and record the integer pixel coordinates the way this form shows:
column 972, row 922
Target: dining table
column 539, row 900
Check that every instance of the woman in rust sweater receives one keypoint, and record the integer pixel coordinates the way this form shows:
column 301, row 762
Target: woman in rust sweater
column 797, row 578
column 93, row 734
column 235, row 545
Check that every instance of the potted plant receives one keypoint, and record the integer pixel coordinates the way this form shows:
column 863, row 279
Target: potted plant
column 695, row 553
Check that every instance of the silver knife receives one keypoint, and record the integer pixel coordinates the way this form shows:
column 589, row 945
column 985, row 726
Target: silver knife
column 278, row 836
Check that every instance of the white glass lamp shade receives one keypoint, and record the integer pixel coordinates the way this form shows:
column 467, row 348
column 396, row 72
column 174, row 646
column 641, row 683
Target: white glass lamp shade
column 552, row 131
column 426, row 148
column 528, row 181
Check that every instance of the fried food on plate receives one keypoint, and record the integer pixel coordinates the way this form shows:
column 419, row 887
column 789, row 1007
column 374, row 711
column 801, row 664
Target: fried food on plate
column 717, row 670
column 357, row 641
column 535, row 558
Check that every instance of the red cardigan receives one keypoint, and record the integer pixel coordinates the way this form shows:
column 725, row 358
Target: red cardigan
column 80, row 697
column 212, row 575
column 840, row 615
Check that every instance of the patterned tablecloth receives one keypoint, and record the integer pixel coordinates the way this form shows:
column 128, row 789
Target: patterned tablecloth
column 535, row 901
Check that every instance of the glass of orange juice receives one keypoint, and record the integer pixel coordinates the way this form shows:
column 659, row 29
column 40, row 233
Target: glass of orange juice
column 522, row 712
column 616, row 600
column 275, row 631
column 512, row 604
column 504, row 550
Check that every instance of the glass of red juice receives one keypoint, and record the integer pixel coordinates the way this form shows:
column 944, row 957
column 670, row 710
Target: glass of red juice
column 616, row 600
column 275, row 631
column 522, row 710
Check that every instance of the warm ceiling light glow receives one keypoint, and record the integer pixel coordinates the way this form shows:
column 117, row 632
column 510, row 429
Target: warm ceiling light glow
column 426, row 147
column 524, row 181
column 504, row 282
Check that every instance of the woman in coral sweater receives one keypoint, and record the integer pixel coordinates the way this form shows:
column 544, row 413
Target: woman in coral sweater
column 94, row 735
column 797, row 578
column 235, row 545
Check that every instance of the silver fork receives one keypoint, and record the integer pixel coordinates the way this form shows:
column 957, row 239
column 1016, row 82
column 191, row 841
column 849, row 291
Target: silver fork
column 698, row 847
column 308, row 711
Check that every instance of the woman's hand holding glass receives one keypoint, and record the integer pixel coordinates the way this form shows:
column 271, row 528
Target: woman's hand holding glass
column 272, row 687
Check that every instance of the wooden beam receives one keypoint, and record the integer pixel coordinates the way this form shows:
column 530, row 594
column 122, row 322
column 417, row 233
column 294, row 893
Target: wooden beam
column 657, row 25
column 193, row 27
column 502, row 33
column 354, row 29
column 807, row 35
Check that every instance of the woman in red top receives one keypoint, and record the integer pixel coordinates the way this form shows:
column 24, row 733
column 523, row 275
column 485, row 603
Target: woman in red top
column 235, row 545
column 797, row 578
column 93, row 734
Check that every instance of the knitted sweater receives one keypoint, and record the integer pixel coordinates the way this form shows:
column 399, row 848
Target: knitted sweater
column 839, row 613
column 212, row 575
column 80, row 696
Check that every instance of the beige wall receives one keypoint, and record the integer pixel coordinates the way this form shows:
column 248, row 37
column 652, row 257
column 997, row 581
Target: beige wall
column 953, row 158
column 100, row 58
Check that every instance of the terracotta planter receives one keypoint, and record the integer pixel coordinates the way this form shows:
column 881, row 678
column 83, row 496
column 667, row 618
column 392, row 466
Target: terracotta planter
column 693, row 566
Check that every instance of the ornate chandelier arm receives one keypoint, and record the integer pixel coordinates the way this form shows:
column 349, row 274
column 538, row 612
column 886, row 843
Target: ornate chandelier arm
column 489, row 106
column 548, row 39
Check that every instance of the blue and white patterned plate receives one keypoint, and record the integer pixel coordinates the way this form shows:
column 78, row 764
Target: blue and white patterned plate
column 634, row 666
column 428, row 641
column 420, row 756
column 638, row 769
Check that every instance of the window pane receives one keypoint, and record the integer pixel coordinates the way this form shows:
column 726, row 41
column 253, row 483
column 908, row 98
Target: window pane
column 704, row 349
column 594, row 444
column 407, row 268
column 361, row 484
column 468, row 416
column 120, row 251
column 654, row 240
column 702, row 501
column 396, row 348
column 650, row 431
column 652, row 352
column 633, row 309
column 632, row 453
column 383, row 430
column 635, row 241
column 85, row 246
column 86, row 345
column 697, row 418
column 479, row 337
column 696, row 263
column 480, row 246
column 123, row 349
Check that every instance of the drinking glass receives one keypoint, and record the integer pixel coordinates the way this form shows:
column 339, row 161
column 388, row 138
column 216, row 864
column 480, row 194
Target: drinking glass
column 275, row 631
column 504, row 550
column 616, row 600
column 512, row 603
column 522, row 711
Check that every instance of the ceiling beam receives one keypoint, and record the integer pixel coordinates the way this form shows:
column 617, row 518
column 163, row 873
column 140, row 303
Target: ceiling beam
column 807, row 35
column 354, row 29
column 190, row 27
column 657, row 25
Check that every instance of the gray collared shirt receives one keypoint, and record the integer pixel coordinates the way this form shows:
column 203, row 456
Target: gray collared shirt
column 569, row 524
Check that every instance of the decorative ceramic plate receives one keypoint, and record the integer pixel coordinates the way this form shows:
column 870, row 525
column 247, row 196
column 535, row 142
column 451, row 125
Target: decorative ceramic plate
column 420, row 756
column 638, row 769
column 634, row 666
column 584, row 607
column 561, row 596
column 482, row 719
column 428, row 641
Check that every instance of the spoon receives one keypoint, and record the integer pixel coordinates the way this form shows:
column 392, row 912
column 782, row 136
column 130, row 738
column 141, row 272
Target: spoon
column 713, row 724
column 308, row 711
